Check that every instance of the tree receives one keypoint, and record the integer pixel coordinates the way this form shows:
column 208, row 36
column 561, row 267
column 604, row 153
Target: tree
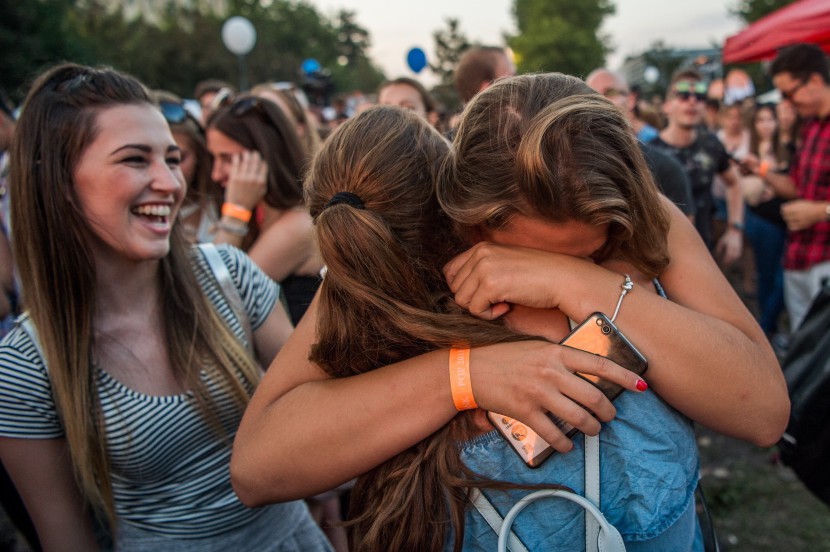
column 560, row 35
column 33, row 35
column 353, row 69
column 450, row 43
column 753, row 10
column 179, row 43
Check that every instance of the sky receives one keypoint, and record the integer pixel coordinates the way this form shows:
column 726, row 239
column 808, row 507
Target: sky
column 395, row 27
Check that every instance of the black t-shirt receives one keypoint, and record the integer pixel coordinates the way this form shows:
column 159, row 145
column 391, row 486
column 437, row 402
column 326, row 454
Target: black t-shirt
column 702, row 160
column 670, row 177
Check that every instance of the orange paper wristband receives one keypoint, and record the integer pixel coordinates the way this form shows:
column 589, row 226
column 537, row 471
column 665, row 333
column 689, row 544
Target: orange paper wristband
column 236, row 211
column 460, row 384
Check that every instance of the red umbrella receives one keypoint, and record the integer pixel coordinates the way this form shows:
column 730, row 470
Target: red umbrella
column 802, row 21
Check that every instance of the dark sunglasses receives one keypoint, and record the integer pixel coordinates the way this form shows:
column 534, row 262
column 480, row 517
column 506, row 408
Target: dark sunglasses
column 176, row 114
column 684, row 90
column 246, row 105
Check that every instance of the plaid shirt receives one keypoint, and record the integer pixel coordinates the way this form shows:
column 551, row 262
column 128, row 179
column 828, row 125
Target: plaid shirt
column 811, row 173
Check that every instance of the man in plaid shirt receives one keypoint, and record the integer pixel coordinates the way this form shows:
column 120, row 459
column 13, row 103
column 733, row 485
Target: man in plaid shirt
column 800, row 72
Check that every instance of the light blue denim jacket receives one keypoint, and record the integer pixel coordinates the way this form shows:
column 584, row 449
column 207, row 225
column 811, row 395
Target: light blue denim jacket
column 649, row 469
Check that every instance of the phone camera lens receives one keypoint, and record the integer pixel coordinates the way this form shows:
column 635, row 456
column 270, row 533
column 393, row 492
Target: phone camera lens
column 606, row 330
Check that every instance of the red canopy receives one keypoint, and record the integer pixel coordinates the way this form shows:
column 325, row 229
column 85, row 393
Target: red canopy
column 802, row 21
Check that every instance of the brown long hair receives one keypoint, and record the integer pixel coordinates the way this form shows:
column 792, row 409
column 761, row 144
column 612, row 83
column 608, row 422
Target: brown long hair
column 548, row 146
column 384, row 299
column 51, row 243
column 259, row 124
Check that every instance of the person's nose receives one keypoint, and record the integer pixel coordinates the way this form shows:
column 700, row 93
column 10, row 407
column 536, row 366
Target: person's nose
column 168, row 179
column 217, row 173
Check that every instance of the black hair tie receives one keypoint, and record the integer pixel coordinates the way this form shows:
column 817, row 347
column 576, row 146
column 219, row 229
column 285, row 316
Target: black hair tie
column 346, row 197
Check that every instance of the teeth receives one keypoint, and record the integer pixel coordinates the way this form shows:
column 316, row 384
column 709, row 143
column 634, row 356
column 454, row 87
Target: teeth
column 153, row 210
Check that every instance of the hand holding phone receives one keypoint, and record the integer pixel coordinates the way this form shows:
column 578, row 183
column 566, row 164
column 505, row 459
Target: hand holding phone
column 597, row 335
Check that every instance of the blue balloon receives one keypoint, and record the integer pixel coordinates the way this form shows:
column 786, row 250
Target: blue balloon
column 310, row 66
column 416, row 59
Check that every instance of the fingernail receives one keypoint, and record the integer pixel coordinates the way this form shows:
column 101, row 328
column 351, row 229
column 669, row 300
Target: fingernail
column 641, row 385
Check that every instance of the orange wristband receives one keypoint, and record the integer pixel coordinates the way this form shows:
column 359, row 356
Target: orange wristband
column 236, row 211
column 460, row 384
column 763, row 169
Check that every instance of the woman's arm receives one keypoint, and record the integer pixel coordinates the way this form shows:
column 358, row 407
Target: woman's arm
column 707, row 356
column 272, row 334
column 246, row 186
column 304, row 433
column 287, row 246
column 42, row 472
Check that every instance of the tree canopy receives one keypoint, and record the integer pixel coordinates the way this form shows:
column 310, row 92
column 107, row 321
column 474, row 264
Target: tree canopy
column 560, row 35
column 753, row 10
column 180, row 43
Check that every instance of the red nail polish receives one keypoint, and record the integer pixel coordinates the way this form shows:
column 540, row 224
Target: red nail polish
column 641, row 385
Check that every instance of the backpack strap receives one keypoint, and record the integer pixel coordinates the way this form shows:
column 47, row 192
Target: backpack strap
column 592, row 491
column 494, row 520
column 223, row 277
column 600, row 536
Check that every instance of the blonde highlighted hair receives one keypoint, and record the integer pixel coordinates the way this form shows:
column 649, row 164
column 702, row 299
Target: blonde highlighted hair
column 548, row 146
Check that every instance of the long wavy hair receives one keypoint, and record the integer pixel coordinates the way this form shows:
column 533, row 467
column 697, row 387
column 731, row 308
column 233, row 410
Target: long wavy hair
column 384, row 299
column 259, row 124
column 548, row 146
column 52, row 246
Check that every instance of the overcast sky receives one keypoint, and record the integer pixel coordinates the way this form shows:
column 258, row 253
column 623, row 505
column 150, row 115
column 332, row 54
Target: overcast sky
column 395, row 27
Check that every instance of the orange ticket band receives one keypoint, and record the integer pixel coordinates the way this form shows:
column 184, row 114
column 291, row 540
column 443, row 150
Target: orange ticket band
column 460, row 384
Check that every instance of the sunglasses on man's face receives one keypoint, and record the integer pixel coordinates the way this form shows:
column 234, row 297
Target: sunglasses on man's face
column 684, row 90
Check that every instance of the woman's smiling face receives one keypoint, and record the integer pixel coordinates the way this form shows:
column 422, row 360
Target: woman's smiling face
column 129, row 184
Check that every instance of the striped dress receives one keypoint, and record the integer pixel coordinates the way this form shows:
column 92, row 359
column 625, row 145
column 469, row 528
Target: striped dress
column 169, row 468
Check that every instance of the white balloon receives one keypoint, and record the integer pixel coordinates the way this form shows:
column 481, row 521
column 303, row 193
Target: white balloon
column 651, row 74
column 238, row 35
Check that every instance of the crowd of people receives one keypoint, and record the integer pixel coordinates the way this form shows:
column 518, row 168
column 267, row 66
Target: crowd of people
column 233, row 328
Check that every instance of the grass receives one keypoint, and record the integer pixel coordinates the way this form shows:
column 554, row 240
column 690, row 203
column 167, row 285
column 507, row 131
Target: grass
column 758, row 505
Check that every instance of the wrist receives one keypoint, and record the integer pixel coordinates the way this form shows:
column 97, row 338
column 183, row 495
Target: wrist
column 232, row 226
column 460, row 383
column 236, row 211
column 736, row 225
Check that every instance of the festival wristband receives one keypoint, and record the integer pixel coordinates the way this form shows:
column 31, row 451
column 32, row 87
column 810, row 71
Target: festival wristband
column 236, row 211
column 460, row 384
column 763, row 169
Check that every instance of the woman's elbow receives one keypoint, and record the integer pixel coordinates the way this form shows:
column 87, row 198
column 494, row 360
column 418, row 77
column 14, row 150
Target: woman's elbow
column 250, row 485
column 769, row 432
column 244, row 485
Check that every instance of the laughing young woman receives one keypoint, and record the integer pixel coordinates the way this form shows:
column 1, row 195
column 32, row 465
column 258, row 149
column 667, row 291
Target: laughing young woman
column 122, row 389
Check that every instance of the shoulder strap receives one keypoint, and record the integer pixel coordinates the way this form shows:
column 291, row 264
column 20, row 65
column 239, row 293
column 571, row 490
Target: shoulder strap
column 600, row 536
column 27, row 326
column 591, row 490
column 223, row 278
column 494, row 520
